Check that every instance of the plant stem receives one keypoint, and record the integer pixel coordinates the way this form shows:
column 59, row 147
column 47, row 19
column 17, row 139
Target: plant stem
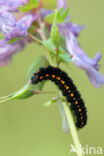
column 72, row 127
column 35, row 38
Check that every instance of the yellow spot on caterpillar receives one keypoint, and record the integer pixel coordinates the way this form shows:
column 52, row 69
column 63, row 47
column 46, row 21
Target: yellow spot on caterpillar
column 80, row 110
column 63, row 82
column 67, row 87
column 74, row 98
column 76, row 102
column 72, row 94
column 53, row 76
column 47, row 75
column 58, row 78
column 69, row 91
column 41, row 77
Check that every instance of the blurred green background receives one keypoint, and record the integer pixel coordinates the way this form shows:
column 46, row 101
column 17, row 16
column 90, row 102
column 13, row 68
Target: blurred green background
column 27, row 128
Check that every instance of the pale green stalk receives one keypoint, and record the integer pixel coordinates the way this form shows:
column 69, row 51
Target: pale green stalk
column 72, row 127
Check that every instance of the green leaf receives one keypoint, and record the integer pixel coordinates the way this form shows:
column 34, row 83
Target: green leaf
column 13, row 40
column 39, row 62
column 23, row 93
column 62, row 54
column 55, row 35
column 60, row 18
column 29, row 6
column 31, row 30
column 1, row 36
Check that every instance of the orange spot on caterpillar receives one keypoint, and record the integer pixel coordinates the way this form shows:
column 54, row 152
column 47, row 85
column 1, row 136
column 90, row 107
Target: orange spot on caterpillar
column 63, row 82
column 80, row 110
column 81, row 117
column 58, row 78
column 74, row 98
column 76, row 102
column 67, row 87
column 69, row 91
column 53, row 76
column 47, row 75
column 72, row 94
column 41, row 77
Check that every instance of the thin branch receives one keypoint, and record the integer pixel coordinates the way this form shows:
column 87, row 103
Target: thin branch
column 35, row 38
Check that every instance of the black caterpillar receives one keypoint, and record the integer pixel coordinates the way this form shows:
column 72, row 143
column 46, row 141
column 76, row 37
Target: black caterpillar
column 69, row 90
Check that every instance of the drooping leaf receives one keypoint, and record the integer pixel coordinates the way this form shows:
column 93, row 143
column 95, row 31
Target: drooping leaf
column 60, row 18
column 23, row 93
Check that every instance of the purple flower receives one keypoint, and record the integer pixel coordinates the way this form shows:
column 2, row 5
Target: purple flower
column 12, row 29
column 11, row 5
column 21, row 27
column 7, row 50
column 7, row 22
column 82, row 61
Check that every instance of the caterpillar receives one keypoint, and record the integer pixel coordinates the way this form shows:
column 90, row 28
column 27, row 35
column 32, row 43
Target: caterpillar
column 69, row 90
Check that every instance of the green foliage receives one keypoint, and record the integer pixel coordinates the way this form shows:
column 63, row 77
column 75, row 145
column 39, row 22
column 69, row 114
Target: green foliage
column 23, row 93
column 62, row 54
column 14, row 40
column 29, row 6
column 31, row 29
column 28, row 90
column 55, row 35
column 60, row 18
column 1, row 36
column 39, row 62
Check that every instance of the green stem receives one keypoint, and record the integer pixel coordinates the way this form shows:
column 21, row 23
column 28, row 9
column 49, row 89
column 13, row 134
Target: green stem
column 35, row 38
column 72, row 127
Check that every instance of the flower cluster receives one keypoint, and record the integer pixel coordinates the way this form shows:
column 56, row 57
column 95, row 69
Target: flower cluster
column 17, row 28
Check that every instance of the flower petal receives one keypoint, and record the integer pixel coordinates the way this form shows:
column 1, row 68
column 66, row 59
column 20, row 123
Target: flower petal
column 7, row 50
column 21, row 27
column 11, row 5
column 82, row 61
column 7, row 22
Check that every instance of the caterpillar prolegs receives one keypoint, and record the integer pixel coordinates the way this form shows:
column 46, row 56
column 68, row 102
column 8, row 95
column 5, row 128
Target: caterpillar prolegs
column 68, row 89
